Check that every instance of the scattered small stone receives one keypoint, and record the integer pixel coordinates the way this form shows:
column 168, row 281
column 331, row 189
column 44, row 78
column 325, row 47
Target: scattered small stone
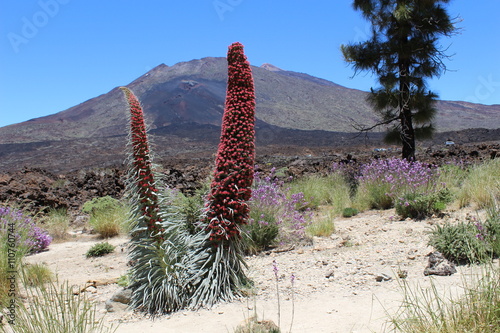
column 122, row 296
column 439, row 265
column 382, row 277
column 329, row 274
column 92, row 289
column 111, row 306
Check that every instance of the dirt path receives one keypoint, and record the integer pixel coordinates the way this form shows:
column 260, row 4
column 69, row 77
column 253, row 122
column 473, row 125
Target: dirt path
column 335, row 287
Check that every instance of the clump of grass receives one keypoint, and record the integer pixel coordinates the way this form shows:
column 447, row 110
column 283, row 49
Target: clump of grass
column 53, row 308
column 453, row 175
column 428, row 311
column 322, row 225
column 108, row 216
column 482, row 186
column 254, row 325
column 100, row 249
column 57, row 223
column 328, row 190
column 36, row 275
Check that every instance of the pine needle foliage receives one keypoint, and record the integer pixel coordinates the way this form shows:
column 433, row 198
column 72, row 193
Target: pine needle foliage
column 403, row 51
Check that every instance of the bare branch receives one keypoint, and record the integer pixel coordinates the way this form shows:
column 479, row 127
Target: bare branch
column 363, row 128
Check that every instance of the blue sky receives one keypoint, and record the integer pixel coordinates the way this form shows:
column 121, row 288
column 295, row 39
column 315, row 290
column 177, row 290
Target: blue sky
column 55, row 54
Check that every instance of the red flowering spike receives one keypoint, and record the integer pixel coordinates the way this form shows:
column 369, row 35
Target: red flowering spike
column 233, row 176
column 141, row 166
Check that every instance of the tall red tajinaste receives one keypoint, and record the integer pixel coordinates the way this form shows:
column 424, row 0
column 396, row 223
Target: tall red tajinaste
column 234, row 166
column 141, row 168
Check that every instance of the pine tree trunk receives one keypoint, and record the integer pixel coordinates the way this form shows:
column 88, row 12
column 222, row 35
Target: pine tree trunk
column 407, row 133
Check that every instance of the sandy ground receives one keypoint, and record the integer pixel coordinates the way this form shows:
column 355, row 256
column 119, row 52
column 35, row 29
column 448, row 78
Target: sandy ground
column 335, row 287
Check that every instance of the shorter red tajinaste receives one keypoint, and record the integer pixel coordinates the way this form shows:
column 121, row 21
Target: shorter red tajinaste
column 141, row 166
column 233, row 176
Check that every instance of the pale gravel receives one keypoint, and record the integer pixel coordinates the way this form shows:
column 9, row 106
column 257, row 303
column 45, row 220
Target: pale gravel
column 335, row 287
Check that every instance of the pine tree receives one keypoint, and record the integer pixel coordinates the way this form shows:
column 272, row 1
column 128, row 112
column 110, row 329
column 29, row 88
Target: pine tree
column 403, row 51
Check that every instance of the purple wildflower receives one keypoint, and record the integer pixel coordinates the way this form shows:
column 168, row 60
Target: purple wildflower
column 271, row 197
column 32, row 237
column 275, row 269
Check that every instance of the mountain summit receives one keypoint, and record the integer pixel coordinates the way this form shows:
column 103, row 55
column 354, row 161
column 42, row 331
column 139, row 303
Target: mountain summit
column 193, row 92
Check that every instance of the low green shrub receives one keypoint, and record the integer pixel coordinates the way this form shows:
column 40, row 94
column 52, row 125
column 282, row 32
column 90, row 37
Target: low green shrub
column 420, row 205
column 349, row 212
column 260, row 232
column 461, row 243
column 100, row 249
column 472, row 241
column 123, row 281
column 108, row 216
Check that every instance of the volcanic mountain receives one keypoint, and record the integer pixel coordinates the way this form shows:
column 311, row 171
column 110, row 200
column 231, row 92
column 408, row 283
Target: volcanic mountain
column 184, row 103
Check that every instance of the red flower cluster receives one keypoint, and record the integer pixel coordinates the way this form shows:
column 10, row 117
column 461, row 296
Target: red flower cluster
column 141, row 165
column 233, row 176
